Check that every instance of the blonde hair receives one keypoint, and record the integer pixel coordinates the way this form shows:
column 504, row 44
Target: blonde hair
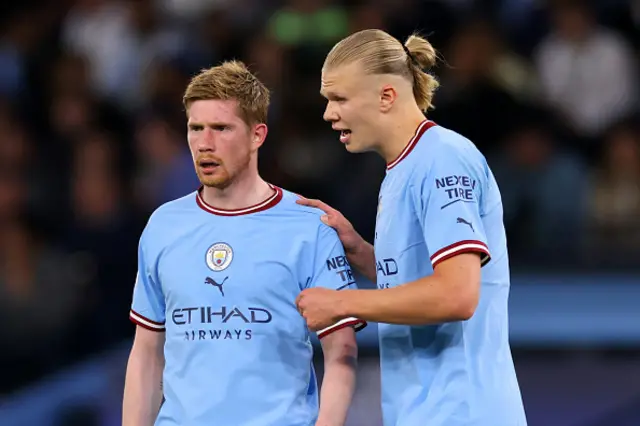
column 231, row 80
column 381, row 53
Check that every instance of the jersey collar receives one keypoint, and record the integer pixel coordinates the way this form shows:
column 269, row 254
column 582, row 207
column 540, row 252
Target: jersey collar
column 269, row 202
column 422, row 127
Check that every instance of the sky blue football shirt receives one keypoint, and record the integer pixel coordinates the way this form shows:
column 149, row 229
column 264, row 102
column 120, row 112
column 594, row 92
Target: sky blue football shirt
column 439, row 199
column 222, row 285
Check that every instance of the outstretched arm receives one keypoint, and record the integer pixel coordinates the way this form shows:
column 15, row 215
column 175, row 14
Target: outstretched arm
column 450, row 294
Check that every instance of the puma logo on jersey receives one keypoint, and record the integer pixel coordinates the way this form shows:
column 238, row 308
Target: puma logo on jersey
column 461, row 220
column 216, row 284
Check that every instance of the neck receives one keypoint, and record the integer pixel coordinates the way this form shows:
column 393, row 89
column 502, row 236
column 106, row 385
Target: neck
column 402, row 128
column 246, row 190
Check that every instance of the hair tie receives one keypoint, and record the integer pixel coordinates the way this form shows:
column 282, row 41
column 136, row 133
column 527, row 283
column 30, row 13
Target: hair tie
column 411, row 57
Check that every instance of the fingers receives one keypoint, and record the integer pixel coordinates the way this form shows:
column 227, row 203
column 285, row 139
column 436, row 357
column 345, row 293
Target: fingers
column 299, row 300
column 331, row 214
column 315, row 203
column 332, row 217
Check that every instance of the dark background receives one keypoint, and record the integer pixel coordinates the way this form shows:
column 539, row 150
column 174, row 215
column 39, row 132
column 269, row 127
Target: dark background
column 92, row 139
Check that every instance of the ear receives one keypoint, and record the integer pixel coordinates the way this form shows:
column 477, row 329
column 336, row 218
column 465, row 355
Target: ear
column 258, row 135
column 388, row 96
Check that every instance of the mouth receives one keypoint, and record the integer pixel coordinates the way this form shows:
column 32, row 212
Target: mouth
column 345, row 135
column 208, row 166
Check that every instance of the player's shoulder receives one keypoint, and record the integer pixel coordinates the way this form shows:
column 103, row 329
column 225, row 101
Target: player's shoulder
column 185, row 204
column 292, row 208
column 304, row 216
column 170, row 212
column 444, row 143
column 441, row 149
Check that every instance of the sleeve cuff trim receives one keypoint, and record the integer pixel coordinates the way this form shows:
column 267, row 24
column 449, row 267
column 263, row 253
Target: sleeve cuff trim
column 466, row 246
column 356, row 323
column 145, row 322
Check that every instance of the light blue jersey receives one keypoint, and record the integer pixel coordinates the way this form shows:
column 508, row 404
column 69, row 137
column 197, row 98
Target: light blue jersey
column 439, row 199
column 222, row 285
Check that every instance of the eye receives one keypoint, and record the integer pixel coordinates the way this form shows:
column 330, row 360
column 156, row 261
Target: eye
column 220, row 127
column 195, row 127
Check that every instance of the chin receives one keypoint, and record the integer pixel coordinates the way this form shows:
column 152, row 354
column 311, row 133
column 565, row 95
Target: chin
column 217, row 185
column 356, row 148
column 218, row 182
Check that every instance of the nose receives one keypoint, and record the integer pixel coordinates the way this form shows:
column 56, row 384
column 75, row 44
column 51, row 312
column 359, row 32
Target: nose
column 330, row 113
column 206, row 141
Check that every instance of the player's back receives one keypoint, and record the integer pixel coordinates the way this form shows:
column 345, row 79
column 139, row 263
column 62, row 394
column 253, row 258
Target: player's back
column 223, row 285
column 440, row 199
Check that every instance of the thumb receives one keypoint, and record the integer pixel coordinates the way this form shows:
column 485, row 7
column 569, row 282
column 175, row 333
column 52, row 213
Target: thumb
column 325, row 219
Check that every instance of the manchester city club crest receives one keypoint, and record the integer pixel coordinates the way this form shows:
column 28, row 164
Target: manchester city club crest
column 219, row 256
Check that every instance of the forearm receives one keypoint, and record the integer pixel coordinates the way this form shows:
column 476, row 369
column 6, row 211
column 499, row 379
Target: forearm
column 142, row 390
column 338, row 385
column 364, row 261
column 424, row 301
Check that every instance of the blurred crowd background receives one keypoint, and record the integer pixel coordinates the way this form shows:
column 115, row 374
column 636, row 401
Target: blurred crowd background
column 92, row 137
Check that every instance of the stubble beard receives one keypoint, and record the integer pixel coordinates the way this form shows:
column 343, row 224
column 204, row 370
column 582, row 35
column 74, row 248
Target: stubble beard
column 222, row 179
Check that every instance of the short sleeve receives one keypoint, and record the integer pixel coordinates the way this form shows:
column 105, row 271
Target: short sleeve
column 148, row 307
column 450, row 197
column 332, row 270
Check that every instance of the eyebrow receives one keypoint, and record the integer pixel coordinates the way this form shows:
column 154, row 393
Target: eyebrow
column 330, row 94
column 209, row 124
